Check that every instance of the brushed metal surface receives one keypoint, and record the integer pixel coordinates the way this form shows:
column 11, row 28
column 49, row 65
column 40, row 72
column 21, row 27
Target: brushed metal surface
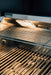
column 28, row 17
column 38, row 36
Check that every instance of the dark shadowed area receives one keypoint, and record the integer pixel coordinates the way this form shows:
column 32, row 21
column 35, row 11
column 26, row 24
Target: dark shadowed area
column 32, row 7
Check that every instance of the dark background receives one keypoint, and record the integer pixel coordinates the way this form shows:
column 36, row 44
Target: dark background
column 31, row 7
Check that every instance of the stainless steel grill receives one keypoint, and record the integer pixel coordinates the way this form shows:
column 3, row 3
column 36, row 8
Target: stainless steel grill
column 24, row 50
column 24, row 60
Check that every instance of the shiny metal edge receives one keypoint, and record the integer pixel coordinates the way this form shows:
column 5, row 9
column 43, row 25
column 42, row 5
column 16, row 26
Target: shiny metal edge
column 24, row 41
column 28, row 17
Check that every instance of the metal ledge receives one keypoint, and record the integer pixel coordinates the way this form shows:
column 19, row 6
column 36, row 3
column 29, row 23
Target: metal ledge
column 28, row 17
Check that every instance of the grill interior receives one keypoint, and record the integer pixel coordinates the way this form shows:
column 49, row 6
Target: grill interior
column 18, row 58
column 22, row 59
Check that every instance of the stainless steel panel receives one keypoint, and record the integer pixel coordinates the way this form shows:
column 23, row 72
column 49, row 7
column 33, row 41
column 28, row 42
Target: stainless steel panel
column 40, row 37
column 29, row 17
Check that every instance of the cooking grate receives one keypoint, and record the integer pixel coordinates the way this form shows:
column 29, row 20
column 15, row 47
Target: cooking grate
column 24, row 61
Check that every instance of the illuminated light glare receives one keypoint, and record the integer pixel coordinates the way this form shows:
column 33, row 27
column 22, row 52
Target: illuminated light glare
column 4, row 21
column 4, row 26
column 26, row 24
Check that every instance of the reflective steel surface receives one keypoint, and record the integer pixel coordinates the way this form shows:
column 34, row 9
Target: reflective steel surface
column 26, row 31
column 37, row 36
column 24, row 49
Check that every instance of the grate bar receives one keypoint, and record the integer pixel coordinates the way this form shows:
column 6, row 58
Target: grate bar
column 37, row 49
column 24, row 61
column 47, row 69
column 23, row 54
column 10, row 55
column 37, row 62
column 37, row 69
